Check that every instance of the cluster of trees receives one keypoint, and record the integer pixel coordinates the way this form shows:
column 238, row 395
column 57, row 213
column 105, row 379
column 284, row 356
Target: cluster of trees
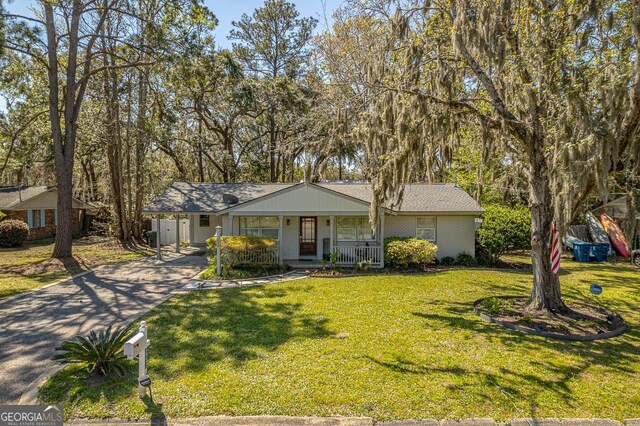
column 520, row 102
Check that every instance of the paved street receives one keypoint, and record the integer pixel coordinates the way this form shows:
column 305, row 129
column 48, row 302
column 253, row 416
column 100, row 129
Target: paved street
column 33, row 324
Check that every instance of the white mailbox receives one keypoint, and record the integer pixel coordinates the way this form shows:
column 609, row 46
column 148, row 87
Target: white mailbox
column 137, row 347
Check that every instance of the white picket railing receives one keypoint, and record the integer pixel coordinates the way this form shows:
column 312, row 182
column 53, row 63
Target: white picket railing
column 351, row 255
column 265, row 256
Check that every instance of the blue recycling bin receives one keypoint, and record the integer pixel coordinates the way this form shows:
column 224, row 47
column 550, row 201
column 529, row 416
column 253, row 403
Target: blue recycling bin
column 600, row 252
column 582, row 251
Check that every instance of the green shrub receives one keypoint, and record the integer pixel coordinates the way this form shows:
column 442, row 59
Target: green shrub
column 243, row 250
column 405, row 252
column 101, row 351
column 496, row 305
column 505, row 228
column 3, row 216
column 13, row 233
column 447, row 261
column 465, row 259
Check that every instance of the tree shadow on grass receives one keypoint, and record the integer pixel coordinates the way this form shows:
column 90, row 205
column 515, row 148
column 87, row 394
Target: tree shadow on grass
column 618, row 354
column 235, row 324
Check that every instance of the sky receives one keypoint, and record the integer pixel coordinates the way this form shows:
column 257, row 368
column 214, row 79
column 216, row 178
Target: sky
column 228, row 11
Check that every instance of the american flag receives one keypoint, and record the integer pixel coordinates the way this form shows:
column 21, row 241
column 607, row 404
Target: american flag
column 555, row 250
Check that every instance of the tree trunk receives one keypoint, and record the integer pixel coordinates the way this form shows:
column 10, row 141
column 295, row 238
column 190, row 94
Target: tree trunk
column 141, row 149
column 545, row 294
column 272, row 149
column 631, row 222
column 64, row 230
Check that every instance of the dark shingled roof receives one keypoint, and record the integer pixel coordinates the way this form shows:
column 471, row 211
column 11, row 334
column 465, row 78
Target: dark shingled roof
column 184, row 197
column 417, row 197
column 10, row 196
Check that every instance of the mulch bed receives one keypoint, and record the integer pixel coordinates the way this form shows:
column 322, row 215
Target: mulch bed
column 580, row 320
column 351, row 271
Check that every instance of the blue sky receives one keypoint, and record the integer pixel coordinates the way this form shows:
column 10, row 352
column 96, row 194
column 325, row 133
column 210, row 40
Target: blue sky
column 231, row 10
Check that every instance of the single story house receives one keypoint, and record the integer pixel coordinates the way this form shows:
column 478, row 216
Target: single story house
column 312, row 220
column 37, row 206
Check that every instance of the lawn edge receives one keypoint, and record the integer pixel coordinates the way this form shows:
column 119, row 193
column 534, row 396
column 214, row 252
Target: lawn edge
column 350, row 421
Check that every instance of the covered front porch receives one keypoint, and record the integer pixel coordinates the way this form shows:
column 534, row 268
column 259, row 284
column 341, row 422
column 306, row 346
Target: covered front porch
column 317, row 240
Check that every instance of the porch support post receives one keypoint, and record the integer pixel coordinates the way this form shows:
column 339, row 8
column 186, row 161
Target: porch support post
column 192, row 229
column 231, row 225
column 280, row 233
column 177, row 233
column 332, row 233
column 381, row 216
column 158, row 251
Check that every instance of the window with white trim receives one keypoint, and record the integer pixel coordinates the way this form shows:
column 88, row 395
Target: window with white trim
column 204, row 221
column 426, row 228
column 354, row 228
column 259, row 226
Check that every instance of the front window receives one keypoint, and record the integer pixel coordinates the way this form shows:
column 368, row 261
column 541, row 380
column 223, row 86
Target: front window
column 36, row 219
column 426, row 228
column 354, row 228
column 259, row 226
column 204, row 220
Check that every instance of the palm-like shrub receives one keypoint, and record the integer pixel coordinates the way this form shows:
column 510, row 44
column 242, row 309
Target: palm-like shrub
column 101, row 350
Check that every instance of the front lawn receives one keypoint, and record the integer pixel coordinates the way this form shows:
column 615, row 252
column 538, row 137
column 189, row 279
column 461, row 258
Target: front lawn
column 389, row 347
column 28, row 267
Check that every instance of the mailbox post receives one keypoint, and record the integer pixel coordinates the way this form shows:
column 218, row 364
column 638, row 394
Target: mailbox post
column 137, row 346
column 218, row 235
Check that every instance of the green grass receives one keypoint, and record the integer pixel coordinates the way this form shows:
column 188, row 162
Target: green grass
column 99, row 250
column 390, row 347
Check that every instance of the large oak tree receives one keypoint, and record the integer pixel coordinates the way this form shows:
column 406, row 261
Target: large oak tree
column 556, row 82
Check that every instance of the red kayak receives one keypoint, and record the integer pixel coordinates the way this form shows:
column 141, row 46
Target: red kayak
column 615, row 234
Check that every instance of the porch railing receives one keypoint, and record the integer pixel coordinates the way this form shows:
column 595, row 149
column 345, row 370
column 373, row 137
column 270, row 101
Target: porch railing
column 264, row 256
column 352, row 255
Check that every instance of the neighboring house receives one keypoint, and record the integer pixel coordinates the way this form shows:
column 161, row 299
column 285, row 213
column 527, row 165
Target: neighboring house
column 37, row 206
column 617, row 209
column 311, row 220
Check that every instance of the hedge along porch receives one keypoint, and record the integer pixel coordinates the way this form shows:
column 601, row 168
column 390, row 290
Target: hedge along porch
column 311, row 220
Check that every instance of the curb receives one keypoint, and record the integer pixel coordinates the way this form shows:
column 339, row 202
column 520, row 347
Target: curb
column 348, row 421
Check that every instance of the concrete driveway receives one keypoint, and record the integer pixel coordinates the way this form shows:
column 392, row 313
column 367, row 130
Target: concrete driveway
column 33, row 324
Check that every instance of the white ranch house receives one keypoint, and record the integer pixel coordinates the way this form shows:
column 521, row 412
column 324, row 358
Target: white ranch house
column 311, row 220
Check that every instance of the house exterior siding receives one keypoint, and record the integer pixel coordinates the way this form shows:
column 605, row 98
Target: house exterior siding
column 290, row 237
column 200, row 234
column 49, row 229
column 454, row 233
column 304, row 199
